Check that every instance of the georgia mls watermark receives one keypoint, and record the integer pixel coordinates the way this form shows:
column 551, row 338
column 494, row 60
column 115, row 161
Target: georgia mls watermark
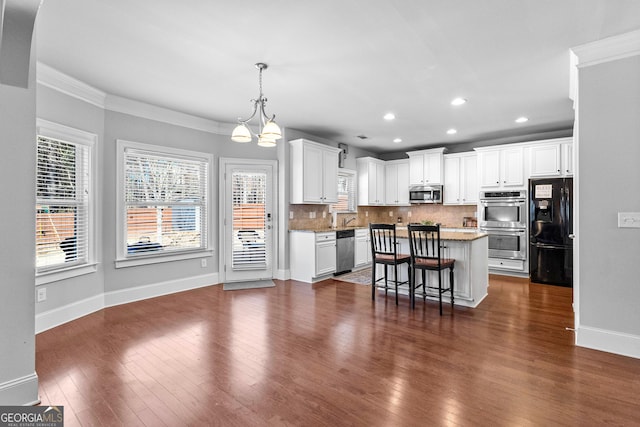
column 31, row 416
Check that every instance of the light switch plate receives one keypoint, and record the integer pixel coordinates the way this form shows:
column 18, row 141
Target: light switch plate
column 628, row 219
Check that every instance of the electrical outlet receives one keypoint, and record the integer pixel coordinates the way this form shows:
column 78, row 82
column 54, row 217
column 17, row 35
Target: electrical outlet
column 390, row 213
column 290, row 214
column 203, row 262
column 628, row 219
column 42, row 294
column 366, row 213
column 324, row 214
column 312, row 215
column 409, row 214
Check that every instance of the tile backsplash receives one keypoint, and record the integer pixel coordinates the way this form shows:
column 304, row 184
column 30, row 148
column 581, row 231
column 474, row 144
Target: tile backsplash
column 318, row 216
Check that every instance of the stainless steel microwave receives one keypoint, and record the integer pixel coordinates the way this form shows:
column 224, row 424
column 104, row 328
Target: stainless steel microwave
column 425, row 194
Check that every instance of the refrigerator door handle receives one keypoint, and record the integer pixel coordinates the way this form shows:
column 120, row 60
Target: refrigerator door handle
column 547, row 246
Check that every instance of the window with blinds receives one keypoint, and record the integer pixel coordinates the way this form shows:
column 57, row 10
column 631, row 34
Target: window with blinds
column 346, row 193
column 62, row 204
column 249, row 220
column 165, row 202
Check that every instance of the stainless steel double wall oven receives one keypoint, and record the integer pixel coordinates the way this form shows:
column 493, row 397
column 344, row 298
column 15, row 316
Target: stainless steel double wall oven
column 503, row 216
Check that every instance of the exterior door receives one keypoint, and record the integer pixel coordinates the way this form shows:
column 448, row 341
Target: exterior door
column 246, row 208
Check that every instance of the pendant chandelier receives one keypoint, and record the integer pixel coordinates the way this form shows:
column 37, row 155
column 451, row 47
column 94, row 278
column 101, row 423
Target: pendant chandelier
column 269, row 131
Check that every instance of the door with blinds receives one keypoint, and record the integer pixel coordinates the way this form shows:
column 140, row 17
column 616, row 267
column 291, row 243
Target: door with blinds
column 248, row 220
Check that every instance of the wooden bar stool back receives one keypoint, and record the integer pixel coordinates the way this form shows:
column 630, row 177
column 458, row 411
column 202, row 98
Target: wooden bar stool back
column 384, row 250
column 426, row 255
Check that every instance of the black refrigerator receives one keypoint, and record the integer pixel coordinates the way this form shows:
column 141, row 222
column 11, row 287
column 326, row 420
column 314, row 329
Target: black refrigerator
column 551, row 231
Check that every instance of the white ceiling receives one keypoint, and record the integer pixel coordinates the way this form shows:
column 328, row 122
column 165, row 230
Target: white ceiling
column 337, row 66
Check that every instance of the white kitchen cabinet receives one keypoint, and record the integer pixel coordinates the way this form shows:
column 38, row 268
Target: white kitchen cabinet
column 363, row 247
column 501, row 167
column 460, row 179
column 567, row 158
column 544, row 160
column 314, row 172
column 312, row 255
column 396, row 182
column 371, row 181
column 551, row 158
column 325, row 253
column 426, row 166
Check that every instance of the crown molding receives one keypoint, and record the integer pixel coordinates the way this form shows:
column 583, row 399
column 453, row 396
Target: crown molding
column 608, row 49
column 56, row 80
column 147, row 111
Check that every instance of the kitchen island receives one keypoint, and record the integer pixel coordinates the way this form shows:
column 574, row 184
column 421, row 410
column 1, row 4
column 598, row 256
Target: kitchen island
column 309, row 247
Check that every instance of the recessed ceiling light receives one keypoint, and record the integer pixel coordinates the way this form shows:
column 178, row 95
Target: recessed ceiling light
column 452, row 132
column 522, row 120
column 397, row 140
column 389, row 116
column 458, row 101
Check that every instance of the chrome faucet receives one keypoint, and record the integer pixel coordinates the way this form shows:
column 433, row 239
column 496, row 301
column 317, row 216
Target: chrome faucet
column 346, row 221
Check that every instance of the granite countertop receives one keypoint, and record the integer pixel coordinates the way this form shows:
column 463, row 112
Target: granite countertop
column 402, row 233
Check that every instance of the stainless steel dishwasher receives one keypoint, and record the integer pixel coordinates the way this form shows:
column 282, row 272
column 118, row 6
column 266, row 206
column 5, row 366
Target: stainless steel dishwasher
column 345, row 248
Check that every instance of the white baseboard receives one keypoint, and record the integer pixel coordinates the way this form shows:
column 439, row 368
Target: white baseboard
column 20, row 391
column 67, row 313
column 283, row 274
column 609, row 341
column 58, row 316
column 158, row 289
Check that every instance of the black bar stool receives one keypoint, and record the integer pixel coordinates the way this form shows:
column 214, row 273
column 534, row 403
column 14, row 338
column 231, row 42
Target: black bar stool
column 384, row 250
column 425, row 247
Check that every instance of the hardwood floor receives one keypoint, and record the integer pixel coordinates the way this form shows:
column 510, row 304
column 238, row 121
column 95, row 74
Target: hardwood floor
column 325, row 354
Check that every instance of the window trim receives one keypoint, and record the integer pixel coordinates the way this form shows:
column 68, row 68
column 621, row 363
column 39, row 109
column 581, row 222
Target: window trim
column 68, row 134
column 353, row 175
column 122, row 260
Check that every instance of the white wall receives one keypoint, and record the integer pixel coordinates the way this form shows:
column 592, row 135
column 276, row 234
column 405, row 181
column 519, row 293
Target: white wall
column 54, row 106
column 18, row 380
column 131, row 128
column 609, row 182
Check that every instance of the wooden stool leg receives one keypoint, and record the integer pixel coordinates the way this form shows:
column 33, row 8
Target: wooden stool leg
column 386, row 284
column 451, row 286
column 373, row 281
column 395, row 277
column 440, row 290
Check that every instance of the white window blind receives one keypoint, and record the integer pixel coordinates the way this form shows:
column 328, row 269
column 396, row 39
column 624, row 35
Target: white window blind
column 249, row 220
column 62, row 204
column 346, row 193
column 165, row 202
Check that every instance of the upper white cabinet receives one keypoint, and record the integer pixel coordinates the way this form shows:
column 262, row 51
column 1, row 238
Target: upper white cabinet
column 501, row 167
column 371, row 181
column 426, row 166
column 567, row 157
column 314, row 172
column 551, row 158
column 544, row 160
column 396, row 182
column 460, row 179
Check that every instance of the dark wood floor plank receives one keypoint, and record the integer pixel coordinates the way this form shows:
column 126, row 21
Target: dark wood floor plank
column 325, row 354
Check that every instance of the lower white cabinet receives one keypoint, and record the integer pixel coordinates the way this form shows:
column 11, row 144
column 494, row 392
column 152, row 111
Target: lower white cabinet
column 325, row 253
column 363, row 248
column 505, row 265
column 312, row 255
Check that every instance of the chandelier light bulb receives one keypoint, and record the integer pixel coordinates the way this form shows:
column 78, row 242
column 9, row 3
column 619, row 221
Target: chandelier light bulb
column 265, row 141
column 241, row 133
column 271, row 130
